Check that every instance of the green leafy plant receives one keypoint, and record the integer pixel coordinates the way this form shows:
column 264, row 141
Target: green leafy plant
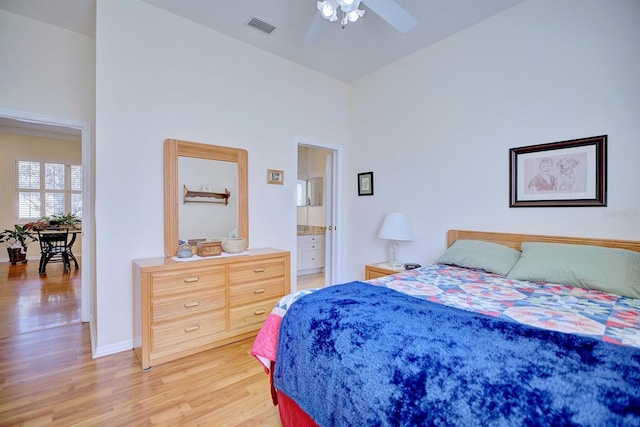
column 22, row 234
column 64, row 219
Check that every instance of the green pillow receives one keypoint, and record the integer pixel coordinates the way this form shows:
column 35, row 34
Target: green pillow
column 610, row 270
column 487, row 256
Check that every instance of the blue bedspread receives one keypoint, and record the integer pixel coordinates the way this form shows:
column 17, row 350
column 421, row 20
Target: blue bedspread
column 362, row 355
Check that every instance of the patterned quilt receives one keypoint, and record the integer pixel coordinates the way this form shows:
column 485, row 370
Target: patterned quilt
column 563, row 308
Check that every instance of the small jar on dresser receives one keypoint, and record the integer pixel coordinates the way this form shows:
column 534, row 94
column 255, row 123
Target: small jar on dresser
column 185, row 307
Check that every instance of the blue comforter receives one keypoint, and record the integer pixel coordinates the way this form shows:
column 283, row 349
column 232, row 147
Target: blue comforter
column 362, row 355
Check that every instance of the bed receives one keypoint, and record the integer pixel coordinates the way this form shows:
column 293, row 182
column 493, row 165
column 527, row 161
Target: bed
column 502, row 329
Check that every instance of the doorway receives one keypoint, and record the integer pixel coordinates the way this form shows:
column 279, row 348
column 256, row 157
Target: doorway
column 34, row 124
column 316, row 205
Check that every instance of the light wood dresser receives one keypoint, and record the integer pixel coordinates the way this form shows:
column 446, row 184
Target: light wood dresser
column 185, row 307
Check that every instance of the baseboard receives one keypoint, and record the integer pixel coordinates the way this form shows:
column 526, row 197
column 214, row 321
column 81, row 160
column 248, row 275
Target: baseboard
column 29, row 258
column 105, row 350
column 92, row 332
column 113, row 348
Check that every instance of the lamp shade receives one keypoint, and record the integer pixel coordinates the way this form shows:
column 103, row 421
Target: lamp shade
column 395, row 227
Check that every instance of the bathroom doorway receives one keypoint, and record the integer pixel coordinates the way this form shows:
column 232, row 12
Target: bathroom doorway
column 316, row 229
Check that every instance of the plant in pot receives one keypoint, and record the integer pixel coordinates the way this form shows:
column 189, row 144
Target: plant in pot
column 69, row 220
column 17, row 240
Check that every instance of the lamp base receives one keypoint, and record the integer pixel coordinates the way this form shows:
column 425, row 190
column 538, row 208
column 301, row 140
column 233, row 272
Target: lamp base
column 393, row 252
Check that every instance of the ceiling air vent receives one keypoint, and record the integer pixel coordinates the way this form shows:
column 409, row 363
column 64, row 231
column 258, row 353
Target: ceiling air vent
column 261, row 25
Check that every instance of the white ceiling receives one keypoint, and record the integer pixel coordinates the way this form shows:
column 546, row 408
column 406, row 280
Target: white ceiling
column 345, row 54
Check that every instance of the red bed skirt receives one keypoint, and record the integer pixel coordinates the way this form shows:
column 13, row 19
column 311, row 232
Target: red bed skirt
column 290, row 413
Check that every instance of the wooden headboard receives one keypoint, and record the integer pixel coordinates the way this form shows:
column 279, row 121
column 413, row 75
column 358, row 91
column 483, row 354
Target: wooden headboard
column 514, row 240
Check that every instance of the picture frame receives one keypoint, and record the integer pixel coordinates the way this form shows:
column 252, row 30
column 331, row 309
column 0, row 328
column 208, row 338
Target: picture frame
column 559, row 174
column 365, row 184
column 275, row 176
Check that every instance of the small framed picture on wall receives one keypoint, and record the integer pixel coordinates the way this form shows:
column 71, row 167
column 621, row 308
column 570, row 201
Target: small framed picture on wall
column 275, row 176
column 365, row 184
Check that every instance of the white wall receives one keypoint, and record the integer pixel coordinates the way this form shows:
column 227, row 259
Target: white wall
column 436, row 126
column 45, row 69
column 160, row 76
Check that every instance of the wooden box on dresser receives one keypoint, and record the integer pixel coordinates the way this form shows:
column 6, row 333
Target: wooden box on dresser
column 184, row 307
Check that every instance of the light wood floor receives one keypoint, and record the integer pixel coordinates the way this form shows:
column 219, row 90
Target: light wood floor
column 47, row 377
column 307, row 281
column 31, row 302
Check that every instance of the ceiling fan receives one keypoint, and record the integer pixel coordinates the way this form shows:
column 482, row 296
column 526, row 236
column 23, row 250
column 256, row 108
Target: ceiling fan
column 328, row 10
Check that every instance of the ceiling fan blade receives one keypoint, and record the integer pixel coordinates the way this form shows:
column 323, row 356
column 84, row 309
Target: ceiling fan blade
column 393, row 13
column 317, row 29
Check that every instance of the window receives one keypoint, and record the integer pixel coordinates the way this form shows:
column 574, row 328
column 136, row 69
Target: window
column 47, row 188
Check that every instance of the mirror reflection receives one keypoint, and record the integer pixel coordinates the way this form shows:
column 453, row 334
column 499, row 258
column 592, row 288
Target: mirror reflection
column 314, row 191
column 310, row 192
column 208, row 216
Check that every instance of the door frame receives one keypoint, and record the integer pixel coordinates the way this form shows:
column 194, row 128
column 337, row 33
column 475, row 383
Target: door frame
column 333, row 265
column 87, row 195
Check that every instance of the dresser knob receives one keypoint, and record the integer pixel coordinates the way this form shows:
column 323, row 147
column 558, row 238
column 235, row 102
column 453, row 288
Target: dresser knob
column 259, row 270
column 192, row 328
column 258, row 291
column 191, row 279
column 259, row 312
column 191, row 304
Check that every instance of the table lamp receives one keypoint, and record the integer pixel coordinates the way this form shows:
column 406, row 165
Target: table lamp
column 395, row 228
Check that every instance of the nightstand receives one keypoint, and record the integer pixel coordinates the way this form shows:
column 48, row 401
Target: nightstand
column 373, row 271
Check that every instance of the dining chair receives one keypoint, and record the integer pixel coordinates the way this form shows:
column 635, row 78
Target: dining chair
column 54, row 248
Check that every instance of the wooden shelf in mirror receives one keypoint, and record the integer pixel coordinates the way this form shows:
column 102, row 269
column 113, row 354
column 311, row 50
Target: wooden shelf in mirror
column 190, row 195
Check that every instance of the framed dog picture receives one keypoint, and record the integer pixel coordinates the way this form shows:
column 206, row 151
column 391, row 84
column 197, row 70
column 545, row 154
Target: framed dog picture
column 565, row 173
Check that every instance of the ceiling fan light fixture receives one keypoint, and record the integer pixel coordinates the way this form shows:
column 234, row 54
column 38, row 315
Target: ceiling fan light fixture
column 347, row 6
column 390, row 11
column 327, row 10
column 354, row 15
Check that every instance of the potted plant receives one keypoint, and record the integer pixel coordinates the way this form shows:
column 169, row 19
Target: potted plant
column 69, row 220
column 17, row 240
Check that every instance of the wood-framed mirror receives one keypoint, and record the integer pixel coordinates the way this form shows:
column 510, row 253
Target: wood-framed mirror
column 176, row 152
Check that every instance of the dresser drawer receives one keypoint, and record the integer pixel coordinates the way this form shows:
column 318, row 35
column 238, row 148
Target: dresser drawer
column 175, row 282
column 244, row 293
column 312, row 259
column 193, row 330
column 312, row 246
column 310, row 238
column 198, row 301
column 251, row 316
column 255, row 271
